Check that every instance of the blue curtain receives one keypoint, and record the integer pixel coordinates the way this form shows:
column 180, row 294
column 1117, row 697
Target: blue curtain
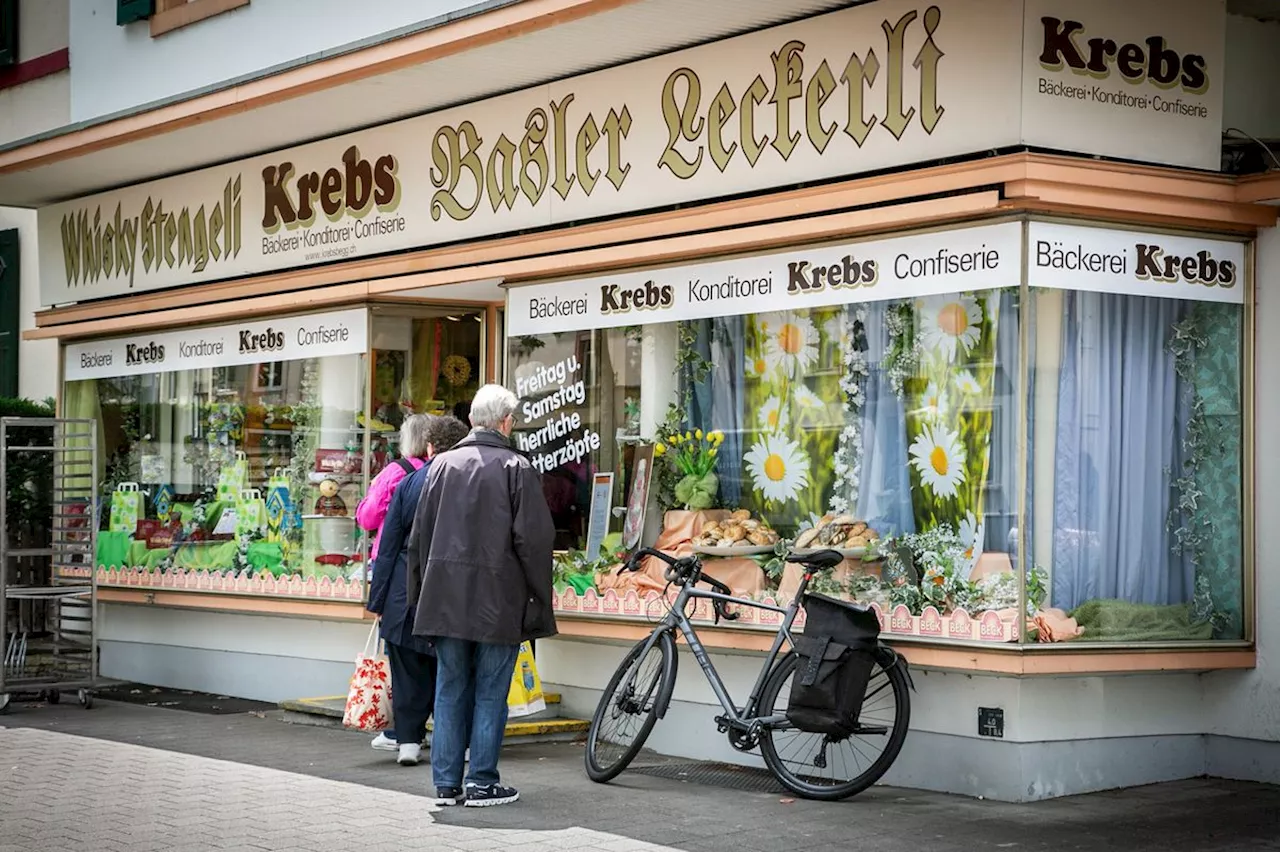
column 1119, row 422
column 719, row 401
column 1000, row 509
column 884, row 500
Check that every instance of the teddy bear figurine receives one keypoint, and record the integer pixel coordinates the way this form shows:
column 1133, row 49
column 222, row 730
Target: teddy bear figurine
column 329, row 504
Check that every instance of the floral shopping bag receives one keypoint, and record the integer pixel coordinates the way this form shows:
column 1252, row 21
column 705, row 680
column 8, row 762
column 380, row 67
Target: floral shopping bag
column 525, row 696
column 369, row 695
column 126, row 508
column 233, row 478
column 251, row 513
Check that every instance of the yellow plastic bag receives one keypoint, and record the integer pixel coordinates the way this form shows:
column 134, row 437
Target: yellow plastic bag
column 525, row 696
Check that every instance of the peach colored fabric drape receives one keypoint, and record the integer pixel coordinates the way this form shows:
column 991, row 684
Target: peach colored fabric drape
column 743, row 576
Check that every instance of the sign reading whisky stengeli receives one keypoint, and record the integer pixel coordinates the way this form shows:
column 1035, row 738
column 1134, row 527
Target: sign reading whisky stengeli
column 877, row 86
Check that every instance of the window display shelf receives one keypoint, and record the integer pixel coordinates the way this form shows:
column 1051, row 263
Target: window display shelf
column 947, row 655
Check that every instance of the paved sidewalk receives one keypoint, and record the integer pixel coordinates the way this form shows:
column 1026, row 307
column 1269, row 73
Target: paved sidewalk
column 138, row 778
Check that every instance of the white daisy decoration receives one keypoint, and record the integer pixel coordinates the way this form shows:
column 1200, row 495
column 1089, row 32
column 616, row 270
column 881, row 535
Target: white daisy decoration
column 773, row 416
column 949, row 325
column 939, row 457
column 971, row 536
column 778, row 468
column 966, row 383
column 757, row 367
column 934, row 403
column 808, row 400
column 837, row 331
column 792, row 343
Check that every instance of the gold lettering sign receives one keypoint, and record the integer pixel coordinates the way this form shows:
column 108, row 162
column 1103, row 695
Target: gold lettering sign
column 94, row 248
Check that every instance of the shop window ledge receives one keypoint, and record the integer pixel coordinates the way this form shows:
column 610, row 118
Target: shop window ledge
column 941, row 655
column 338, row 610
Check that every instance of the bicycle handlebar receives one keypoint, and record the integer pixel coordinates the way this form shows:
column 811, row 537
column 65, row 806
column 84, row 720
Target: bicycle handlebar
column 684, row 571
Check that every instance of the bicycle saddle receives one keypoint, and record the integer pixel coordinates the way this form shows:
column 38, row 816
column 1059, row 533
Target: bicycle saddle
column 818, row 560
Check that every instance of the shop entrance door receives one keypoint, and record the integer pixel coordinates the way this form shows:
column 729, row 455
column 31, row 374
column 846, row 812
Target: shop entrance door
column 426, row 359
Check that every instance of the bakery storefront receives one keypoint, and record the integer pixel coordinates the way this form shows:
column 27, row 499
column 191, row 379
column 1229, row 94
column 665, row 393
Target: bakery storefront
column 808, row 286
column 893, row 398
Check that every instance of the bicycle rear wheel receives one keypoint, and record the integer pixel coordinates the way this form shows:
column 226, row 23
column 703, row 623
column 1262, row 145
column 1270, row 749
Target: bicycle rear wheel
column 810, row 765
column 629, row 708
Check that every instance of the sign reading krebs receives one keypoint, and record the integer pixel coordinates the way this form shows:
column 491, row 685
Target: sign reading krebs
column 1101, row 260
column 982, row 257
column 284, row 339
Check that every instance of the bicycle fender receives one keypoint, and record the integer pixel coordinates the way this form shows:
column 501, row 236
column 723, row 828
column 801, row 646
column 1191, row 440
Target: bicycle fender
column 888, row 658
column 664, row 700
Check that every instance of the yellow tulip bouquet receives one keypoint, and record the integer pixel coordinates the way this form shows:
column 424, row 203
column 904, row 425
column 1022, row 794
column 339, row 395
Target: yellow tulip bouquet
column 692, row 455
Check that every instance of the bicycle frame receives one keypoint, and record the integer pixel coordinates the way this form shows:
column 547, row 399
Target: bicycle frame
column 677, row 619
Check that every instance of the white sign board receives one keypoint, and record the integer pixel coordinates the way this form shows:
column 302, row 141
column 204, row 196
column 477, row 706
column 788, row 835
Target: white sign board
column 965, row 259
column 1140, row 79
column 285, row 339
column 878, row 86
column 872, row 87
column 1102, row 260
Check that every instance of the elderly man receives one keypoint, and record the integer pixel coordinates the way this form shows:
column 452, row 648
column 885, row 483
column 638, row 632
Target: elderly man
column 480, row 568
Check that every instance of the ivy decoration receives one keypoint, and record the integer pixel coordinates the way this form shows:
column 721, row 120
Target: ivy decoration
column 692, row 369
column 1188, row 517
column 853, row 381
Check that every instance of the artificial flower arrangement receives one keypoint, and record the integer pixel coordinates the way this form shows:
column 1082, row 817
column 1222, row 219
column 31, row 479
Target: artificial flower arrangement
column 575, row 568
column 692, row 455
column 932, row 568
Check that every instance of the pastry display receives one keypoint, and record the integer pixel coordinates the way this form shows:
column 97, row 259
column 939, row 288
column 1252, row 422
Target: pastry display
column 838, row 532
column 739, row 532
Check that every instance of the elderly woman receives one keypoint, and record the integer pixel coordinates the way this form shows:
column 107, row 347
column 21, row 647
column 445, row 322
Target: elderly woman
column 413, row 663
column 373, row 508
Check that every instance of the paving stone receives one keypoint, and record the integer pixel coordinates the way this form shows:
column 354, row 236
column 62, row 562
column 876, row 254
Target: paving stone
column 140, row 778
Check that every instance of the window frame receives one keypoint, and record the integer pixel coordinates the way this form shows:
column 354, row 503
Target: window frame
column 8, row 33
column 171, row 15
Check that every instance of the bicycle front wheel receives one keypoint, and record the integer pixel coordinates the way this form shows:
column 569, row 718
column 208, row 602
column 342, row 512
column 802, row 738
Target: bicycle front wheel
column 629, row 708
column 811, row 765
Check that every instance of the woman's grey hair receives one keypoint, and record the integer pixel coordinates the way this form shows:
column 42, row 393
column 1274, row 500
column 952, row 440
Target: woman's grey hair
column 415, row 434
column 492, row 405
column 445, row 431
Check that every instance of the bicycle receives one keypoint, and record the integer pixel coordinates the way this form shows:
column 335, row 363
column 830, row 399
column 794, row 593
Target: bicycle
column 641, row 693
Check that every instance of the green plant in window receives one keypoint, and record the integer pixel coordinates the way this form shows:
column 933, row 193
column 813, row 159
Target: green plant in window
column 693, row 455
column 692, row 369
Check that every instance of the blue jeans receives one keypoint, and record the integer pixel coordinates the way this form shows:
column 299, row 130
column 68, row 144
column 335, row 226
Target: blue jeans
column 472, row 682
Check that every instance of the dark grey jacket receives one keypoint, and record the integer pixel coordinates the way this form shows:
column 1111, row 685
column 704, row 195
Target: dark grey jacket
column 480, row 550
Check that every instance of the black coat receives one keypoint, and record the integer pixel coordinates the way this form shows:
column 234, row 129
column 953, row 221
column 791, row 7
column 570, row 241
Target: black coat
column 388, row 590
column 480, row 550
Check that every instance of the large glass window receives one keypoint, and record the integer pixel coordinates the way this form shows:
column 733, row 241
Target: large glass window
column 239, row 478
column 1135, row 463
column 1058, row 466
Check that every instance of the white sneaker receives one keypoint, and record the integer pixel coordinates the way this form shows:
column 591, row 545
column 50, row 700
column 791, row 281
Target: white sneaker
column 384, row 743
column 410, row 754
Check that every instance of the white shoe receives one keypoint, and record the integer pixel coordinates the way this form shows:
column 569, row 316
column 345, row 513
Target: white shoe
column 384, row 743
column 410, row 754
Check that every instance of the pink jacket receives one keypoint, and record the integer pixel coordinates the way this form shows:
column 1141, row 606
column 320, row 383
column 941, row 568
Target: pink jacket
column 373, row 508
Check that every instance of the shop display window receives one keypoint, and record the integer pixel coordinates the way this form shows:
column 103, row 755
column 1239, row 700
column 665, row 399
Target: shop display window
column 1135, row 467
column 1017, row 465
column 228, row 473
column 241, row 478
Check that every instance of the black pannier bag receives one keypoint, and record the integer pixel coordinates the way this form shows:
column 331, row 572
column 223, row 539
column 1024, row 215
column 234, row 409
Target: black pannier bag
column 836, row 655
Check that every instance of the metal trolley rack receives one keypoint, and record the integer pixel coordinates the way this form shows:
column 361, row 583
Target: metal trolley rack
column 48, row 538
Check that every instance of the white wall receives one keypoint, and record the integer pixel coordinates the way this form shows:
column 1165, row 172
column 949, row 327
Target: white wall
column 116, row 68
column 1252, row 99
column 42, row 104
column 37, row 359
column 1247, row 705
